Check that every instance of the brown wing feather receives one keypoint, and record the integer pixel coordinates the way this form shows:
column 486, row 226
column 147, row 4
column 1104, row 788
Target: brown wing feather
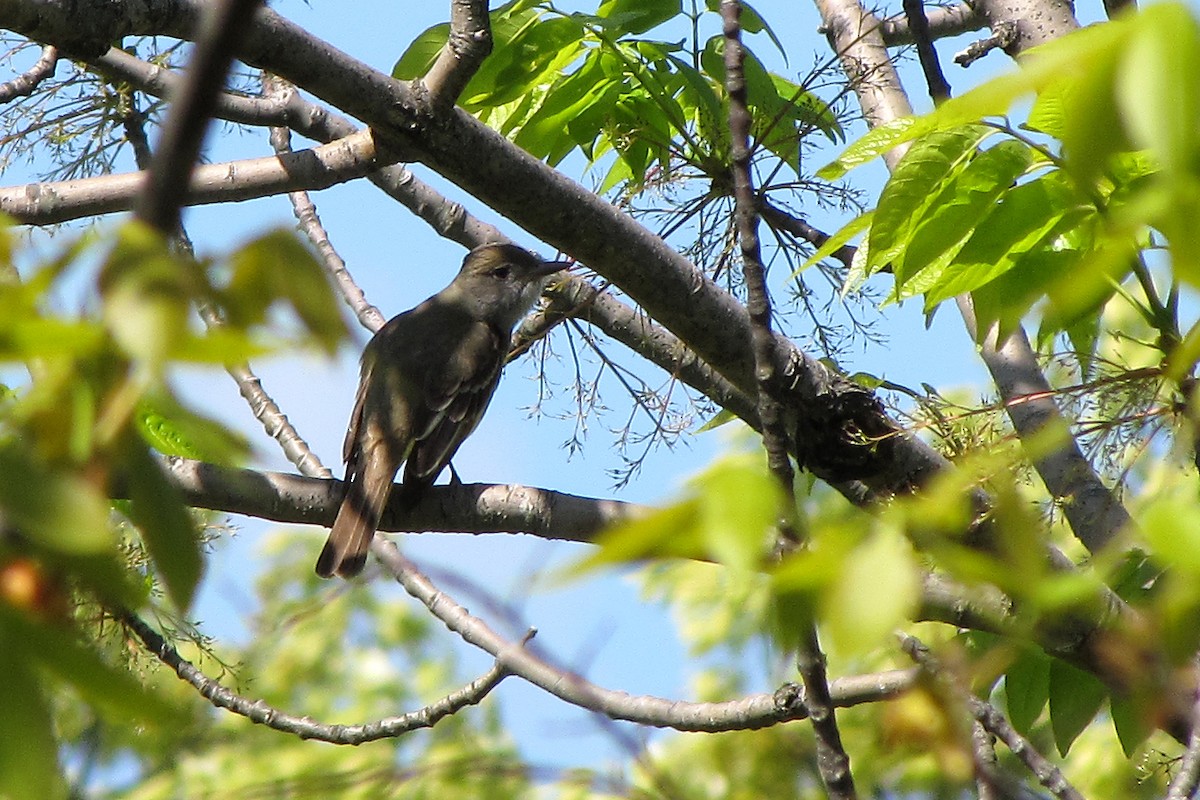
column 462, row 394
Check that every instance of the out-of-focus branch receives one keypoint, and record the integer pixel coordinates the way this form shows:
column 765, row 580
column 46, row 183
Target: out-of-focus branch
column 318, row 168
column 222, row 27
column 469, row 44
column 24, row 84
column 258, row 711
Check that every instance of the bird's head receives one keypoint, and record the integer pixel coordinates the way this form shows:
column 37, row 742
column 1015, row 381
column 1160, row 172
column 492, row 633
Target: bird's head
column 499, row 283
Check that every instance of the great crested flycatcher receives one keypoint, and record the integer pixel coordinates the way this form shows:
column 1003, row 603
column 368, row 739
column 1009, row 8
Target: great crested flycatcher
column 427, row 378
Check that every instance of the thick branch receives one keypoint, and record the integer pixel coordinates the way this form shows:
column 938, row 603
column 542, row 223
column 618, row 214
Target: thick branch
column 464, row 508
column 318, row 168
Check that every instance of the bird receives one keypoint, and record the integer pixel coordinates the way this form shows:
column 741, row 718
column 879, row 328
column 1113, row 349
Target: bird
column 426, row 379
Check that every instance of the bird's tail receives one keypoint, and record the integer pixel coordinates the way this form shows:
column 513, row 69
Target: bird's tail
column 345, row 551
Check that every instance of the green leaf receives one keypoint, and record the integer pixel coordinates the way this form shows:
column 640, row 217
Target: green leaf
column 913, row 187
column 59, row 653
column 28, row 752
column 53, row 507
column 739, row 504
column 841, row 237
column 1027, row 689
column 636, row 16
column 174, row 430
column 963, row 204
column 146, row 291
column 1022, row 220
column 274, row 267
column 158, row 510
column 1132, row 724
column 1075, row 699
column 859, row 619
column 874, row 143
column 1156, row 92
column 419, row 56
column 1007, row 298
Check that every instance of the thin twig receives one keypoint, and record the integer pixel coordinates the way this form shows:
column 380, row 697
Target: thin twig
column 1003, row 36
column 260, row 712
column 833, row 762
column 747, row 713
column 222, row 26
column 918, row 24
column 310, row 223
column 1183, row 785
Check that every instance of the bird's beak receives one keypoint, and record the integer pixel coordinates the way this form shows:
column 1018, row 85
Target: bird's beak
column 547, row 268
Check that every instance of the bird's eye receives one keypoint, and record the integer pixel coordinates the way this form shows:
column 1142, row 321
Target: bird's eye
column 502, row 271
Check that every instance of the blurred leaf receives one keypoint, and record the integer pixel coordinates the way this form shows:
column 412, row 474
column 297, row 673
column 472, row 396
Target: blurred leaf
column 1027, row 688
column 875, row 593
column 1075, row 699
column 1158, row 98
column 739, row 505
column 146, row 292
column 112, row 690
column 276, row 266
column 1131, row 724
column 170, row 535
column 28, row 752
column 53, row 507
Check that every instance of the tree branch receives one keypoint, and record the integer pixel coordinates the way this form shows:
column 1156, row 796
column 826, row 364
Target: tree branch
column 748, row 713
column 943, row 21
column 996, row 724
column 833, row 763
column 259, row 712
column 305, row 212
column 922, row 35
column 469, row 44
column 318, row 168
column 24, row 84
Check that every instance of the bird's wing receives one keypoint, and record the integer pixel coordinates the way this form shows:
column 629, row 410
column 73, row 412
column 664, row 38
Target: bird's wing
column 457, row 395
column 350, row 446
